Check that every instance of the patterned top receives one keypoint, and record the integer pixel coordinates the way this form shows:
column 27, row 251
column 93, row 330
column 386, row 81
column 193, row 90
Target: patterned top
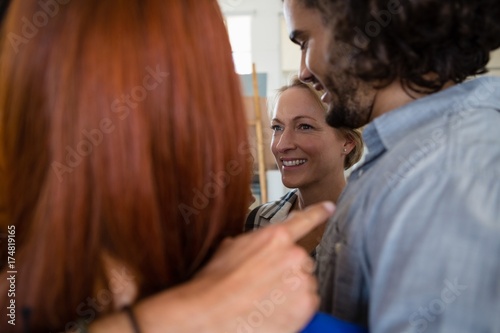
column 271, row 212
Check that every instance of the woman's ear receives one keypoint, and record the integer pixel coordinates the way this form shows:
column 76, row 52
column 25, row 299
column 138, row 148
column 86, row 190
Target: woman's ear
column 348, row 146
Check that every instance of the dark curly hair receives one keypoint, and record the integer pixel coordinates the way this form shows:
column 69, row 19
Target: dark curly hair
column 408, row 39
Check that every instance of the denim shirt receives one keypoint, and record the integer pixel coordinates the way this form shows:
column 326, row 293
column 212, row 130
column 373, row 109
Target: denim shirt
column 414, row 245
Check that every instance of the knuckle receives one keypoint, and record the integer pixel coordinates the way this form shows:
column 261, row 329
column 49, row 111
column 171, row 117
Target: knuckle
column 299, row 254
column 281, row 234
column 227, row 241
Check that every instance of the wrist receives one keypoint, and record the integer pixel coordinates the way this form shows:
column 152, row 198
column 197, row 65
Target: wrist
column 117, row 322
column 180, row 309
column 132, row 318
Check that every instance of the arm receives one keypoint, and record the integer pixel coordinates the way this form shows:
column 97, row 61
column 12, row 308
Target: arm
column 259, row 281
column 437, row 268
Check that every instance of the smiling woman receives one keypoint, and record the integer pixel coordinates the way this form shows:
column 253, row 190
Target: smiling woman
column 310, row 155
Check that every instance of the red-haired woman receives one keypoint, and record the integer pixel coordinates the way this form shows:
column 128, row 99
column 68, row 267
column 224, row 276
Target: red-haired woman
column 125, row 164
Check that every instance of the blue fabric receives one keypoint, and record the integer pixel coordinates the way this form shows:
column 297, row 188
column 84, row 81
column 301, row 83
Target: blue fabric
column 414, row 244
column 322, row 323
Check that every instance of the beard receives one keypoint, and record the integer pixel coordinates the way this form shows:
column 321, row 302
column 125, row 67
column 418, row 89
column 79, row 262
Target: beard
column 346, row 108
column 351, row 99
column 341, row 116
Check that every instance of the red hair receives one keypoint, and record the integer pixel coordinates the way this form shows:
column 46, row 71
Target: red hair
column 123, row 134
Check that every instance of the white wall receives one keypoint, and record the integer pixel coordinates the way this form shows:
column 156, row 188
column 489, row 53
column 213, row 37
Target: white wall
column 266, row 35
column 272, row 52
column 494, row 64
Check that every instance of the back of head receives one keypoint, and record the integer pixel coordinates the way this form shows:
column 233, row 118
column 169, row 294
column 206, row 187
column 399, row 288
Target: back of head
column 114, row 138
column 410, row 39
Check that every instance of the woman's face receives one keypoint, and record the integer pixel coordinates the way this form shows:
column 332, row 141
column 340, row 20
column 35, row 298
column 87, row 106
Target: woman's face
column 306, row 149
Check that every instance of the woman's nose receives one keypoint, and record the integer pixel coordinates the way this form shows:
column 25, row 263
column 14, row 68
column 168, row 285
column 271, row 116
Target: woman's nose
column 285, row 141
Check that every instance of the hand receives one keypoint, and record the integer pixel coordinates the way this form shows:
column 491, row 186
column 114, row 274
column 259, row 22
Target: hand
column 259, row 282
column 262, row 281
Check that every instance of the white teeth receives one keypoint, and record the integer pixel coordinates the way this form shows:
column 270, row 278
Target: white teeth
column 293, row 163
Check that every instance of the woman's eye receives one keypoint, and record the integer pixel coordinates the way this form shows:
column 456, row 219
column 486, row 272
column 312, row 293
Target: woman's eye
column 276, row 128
column 305, row 126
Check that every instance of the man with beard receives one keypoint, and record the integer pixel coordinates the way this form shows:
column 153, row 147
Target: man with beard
column 415, row 241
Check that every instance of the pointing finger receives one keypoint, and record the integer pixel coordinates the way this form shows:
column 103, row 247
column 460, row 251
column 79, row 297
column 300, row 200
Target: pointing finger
column 301, row 223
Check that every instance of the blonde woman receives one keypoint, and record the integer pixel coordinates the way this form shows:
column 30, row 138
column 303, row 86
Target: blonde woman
column 311, row 156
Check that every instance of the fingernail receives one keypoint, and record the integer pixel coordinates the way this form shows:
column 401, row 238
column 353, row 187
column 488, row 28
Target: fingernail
column 330, row 207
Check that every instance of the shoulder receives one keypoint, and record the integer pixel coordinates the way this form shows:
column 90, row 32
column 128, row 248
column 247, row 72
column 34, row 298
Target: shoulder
column 270, row 212
column 442, row 226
